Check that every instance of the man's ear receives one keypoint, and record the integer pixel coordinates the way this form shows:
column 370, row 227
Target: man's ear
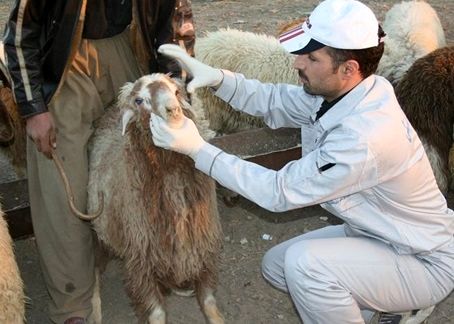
column 350, row 68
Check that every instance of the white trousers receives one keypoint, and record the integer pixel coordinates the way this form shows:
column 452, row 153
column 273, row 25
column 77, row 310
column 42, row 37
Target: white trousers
column 331, row 277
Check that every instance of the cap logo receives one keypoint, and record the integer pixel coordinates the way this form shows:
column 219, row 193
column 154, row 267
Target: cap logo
column 291, row 34
column 308, row 23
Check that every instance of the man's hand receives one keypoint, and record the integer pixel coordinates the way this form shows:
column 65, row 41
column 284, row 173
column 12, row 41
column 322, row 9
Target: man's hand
column 40, row 128
column 203, row 75
column 185, row 139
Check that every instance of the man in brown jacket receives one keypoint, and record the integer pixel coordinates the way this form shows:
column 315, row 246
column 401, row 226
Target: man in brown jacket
column 67, row 60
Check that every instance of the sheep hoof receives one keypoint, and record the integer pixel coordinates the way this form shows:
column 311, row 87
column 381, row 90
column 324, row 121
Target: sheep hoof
column 96, row 317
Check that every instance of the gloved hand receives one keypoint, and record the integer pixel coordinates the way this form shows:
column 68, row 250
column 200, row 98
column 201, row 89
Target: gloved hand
column 185, row 139
column 203, row 75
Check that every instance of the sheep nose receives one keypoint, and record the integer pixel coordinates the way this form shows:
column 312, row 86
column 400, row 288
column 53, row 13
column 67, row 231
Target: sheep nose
column 138, row 101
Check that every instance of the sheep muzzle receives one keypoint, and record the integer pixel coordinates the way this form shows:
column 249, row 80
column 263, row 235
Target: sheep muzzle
column 165, row 103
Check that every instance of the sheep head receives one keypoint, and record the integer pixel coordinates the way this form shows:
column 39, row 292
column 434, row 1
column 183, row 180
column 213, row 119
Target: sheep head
column 155, row 93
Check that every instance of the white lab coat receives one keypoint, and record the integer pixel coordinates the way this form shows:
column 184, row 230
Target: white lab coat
column 381, row 185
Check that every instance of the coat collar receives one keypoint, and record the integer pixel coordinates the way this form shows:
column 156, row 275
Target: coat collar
column 346, row 105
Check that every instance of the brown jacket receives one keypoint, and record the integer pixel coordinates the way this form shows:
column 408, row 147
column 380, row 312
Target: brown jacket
column 42, row 37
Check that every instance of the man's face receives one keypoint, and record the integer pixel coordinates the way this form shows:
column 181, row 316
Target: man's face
column 317, row 74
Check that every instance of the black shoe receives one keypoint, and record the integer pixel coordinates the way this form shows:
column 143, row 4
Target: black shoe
column 389, row 318
column 75, row 320
column 417, row 316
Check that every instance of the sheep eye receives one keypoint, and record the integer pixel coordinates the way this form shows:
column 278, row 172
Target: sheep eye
column 138, row 101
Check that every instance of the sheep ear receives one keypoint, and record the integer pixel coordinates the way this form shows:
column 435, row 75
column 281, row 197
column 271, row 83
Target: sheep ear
column 125, row 120
column 125, row 95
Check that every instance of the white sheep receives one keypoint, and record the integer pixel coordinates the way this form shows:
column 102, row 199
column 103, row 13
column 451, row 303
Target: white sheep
column 257, row 56
column 160, row 217
column 413, row 30
column 12, row 299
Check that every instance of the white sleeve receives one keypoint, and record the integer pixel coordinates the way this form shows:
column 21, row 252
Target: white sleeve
column 281, row 105
column 340, row 167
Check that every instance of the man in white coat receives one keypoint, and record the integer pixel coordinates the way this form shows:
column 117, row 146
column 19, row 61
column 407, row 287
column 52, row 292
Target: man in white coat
column 362, row 161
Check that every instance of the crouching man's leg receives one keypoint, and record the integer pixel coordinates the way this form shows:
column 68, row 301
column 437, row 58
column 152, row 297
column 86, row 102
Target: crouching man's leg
column 273, row 261
column 330, row 279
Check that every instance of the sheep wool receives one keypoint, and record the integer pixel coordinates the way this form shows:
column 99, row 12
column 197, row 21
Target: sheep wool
column 413, row 30
column 426, row 95
column 257, row 56
column 12, row 299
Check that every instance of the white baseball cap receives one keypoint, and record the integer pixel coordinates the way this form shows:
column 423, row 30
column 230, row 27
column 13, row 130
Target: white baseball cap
column 342, row 24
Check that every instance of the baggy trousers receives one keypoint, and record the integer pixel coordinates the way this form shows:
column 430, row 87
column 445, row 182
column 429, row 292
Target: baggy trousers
column 65, row 243
column 331, row 277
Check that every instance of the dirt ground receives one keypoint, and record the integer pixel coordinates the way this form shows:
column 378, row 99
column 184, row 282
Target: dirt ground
column 243, row 296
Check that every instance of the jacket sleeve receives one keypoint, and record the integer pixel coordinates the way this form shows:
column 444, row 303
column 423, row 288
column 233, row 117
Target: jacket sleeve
column 23, row 55
column 340, row 167
column 280, row 105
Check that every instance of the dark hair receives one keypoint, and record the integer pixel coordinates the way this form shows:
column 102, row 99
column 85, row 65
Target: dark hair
column 367, row 58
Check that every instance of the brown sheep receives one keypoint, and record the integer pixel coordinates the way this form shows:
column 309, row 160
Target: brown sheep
column 12, row 128
column 160, row 217
column 426, row 94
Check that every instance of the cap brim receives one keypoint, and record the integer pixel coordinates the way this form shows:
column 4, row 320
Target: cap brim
column 313, row 45
column 296, row 41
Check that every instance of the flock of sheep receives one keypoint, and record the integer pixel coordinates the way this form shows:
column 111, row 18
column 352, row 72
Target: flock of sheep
column 163, row 223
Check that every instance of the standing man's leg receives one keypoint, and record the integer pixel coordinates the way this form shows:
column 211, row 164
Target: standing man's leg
column 65, row 243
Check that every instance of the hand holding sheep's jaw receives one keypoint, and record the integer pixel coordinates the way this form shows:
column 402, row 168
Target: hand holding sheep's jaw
column 203, row 75
column 184, row 139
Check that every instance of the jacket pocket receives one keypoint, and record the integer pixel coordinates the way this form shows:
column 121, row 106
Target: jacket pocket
column 343, row 204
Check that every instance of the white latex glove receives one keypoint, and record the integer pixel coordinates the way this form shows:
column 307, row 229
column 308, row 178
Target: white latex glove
column 203, row 75
column 185, row 139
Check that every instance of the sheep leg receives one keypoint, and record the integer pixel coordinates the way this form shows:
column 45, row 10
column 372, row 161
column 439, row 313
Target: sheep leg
column 157, row 316
column 96, row 316
column 149, row 308
column 207, row 302
column 146, row 295
column 102, row 258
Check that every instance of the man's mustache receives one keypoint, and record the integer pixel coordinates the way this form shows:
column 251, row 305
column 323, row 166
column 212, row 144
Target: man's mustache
column 302, row 75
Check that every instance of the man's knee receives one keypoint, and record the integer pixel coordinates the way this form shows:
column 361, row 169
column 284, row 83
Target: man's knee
column 273, row 268
column 302, row 268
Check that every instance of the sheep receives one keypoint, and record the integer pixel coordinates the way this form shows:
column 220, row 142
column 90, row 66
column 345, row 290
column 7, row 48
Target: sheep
column 12, row 131
column 413, row 30
column 425, row 93
column 160, row 217
column 12, row 299
column 257, row 56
